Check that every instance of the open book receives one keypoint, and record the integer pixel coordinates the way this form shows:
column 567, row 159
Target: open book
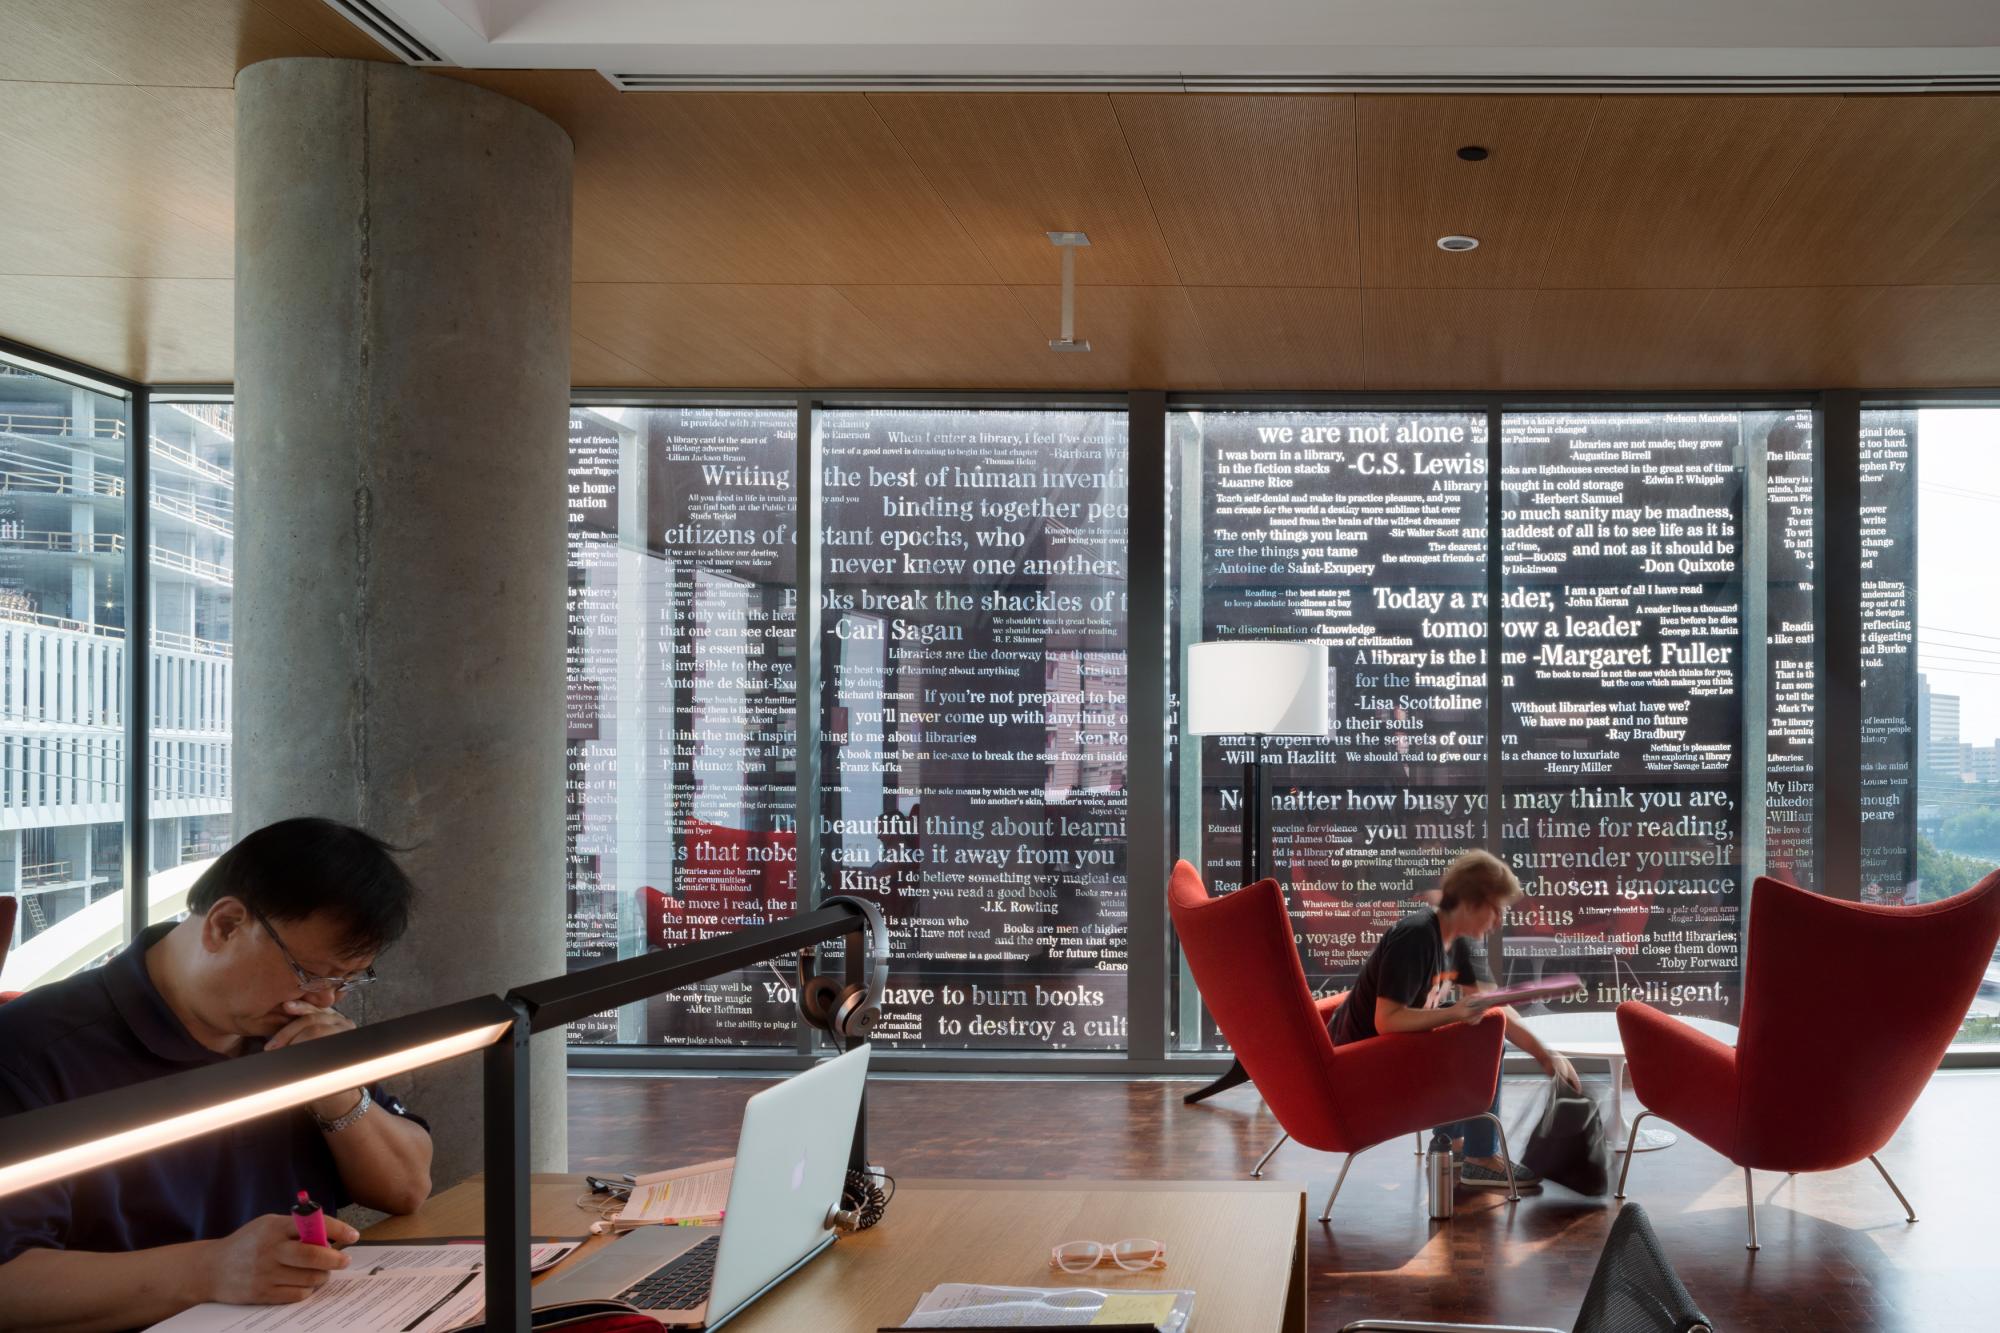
column 1548, row 988
column 411, row 1288
column 687, row 1195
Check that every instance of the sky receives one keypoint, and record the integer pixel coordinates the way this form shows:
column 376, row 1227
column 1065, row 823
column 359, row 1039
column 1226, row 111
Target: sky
column 1958, row 562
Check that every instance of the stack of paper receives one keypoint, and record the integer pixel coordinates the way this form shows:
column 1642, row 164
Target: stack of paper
column 959, row 1305
column 412, row 1288
column 687, row 1195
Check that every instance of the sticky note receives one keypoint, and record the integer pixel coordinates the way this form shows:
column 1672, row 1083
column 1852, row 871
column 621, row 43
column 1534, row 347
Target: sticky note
column 1135, row 1307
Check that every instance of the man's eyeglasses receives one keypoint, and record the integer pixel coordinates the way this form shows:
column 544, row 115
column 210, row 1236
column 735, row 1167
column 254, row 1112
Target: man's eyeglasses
column 307, row 981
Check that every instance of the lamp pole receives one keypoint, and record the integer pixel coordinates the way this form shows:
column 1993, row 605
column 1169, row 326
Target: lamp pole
column 1253, row 812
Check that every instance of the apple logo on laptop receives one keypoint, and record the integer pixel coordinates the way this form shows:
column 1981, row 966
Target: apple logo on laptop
column 799, row 1174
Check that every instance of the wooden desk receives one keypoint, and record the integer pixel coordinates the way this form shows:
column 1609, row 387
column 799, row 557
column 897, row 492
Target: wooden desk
column 1238, row 1245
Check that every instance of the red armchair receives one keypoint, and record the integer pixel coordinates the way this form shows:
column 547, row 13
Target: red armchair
column 1812, row 1085
column 1341, row 1099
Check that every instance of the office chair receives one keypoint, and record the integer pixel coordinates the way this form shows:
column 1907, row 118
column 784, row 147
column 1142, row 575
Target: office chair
column 1813, row 1083
column 1634, row 1290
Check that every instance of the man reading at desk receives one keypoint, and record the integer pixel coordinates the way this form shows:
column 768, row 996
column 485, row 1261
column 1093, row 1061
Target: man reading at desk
column 278, row 929
column 1423, row 975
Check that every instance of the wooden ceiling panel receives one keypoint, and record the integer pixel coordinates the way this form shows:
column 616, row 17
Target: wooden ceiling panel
column 661, row 330
column 1426, row 338
column 1886, row 185
column 1013, row 166
column 317, row 22
column 592, row 366
column 1140, row 337
column 166, row 43
column 1282, row 337
column 110, row 181
column 1250, row 191
column 1414, row 187
column 1970, row 251
column 1845, row 337
column 1667, row 187
column 156, row 330
column 796, row 188
column 966, row 338
column 815, row 335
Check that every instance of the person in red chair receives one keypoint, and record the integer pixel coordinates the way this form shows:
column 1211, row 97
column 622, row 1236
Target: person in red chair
column 1423, row 974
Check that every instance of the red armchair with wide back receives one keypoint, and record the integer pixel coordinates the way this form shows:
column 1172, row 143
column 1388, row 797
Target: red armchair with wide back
column 1335, row 1099
column 1848, row 1009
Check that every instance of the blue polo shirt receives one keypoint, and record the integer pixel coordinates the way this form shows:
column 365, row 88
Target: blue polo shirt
column 107, row 1028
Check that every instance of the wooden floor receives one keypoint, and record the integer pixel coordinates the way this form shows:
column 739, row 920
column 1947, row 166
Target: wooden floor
column 1837, row 1252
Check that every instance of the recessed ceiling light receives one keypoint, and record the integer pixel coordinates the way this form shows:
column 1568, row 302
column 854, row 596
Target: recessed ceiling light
column 1472, row 152
column 1458, row 244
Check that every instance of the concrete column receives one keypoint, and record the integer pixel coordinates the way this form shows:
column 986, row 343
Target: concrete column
column 402, row 382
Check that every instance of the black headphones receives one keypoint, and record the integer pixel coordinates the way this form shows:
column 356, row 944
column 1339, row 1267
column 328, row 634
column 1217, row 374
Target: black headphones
column 848, row 1009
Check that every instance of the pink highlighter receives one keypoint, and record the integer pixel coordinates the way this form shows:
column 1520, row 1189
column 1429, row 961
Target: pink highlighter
column 309, row 1221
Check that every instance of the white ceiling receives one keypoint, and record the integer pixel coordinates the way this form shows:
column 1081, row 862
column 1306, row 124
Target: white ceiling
column 1442, row 42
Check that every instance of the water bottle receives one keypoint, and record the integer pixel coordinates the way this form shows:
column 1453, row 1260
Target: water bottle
column 1438, row 1177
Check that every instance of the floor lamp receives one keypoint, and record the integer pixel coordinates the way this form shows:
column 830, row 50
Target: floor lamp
column 1254, row 688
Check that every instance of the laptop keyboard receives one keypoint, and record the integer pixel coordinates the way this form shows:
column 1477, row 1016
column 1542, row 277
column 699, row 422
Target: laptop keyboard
column 680, row 1285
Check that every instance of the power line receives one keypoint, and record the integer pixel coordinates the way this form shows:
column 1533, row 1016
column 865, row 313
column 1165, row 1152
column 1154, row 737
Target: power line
column 1970, row 634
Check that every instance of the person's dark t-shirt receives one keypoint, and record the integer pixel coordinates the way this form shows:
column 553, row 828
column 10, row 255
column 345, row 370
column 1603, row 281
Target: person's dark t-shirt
column 1408, row 965
column 107, row 1028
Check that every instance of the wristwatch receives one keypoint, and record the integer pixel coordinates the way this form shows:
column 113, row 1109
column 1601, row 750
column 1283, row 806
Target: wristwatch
column 360, row 1109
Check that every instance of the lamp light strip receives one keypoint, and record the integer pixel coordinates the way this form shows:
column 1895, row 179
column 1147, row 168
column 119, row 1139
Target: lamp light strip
column 64, row 1162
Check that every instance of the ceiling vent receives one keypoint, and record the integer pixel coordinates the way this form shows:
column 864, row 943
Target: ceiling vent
column 1309, row 83
column 398, row 40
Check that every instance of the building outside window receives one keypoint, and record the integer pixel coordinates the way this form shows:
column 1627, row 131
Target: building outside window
column 1931, row 663
column 63, row 655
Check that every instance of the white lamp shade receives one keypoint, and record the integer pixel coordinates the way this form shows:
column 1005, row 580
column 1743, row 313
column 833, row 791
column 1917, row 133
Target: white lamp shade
column 1257, row 687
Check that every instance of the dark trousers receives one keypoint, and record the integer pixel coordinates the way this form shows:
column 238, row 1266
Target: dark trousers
column 1482, row 1137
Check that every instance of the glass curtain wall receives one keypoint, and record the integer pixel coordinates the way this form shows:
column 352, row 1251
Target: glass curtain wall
column 63, row 658
column 1657, row 677
column 1657, row 686
column 682, row 752
column 973, row 710
column 1656, row 713
column 1930, row 796
column 1365, row 531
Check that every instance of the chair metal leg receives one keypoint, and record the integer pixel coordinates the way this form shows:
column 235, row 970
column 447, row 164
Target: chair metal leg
column 1908, row 1211
column 1513, row 1194
column 1326, row 1215
column 1257, row 1172
column 1419, row 1137
column 1750, row 1207
column 1625, row 1169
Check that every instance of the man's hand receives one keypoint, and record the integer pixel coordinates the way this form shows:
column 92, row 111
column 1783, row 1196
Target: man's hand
column 1465, row 1011
column 1558, row 1066
column 310, row 1022
column 263, row 1262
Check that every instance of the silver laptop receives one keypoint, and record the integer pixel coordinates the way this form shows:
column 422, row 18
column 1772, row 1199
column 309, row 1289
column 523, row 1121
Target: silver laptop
column 791, row 1161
